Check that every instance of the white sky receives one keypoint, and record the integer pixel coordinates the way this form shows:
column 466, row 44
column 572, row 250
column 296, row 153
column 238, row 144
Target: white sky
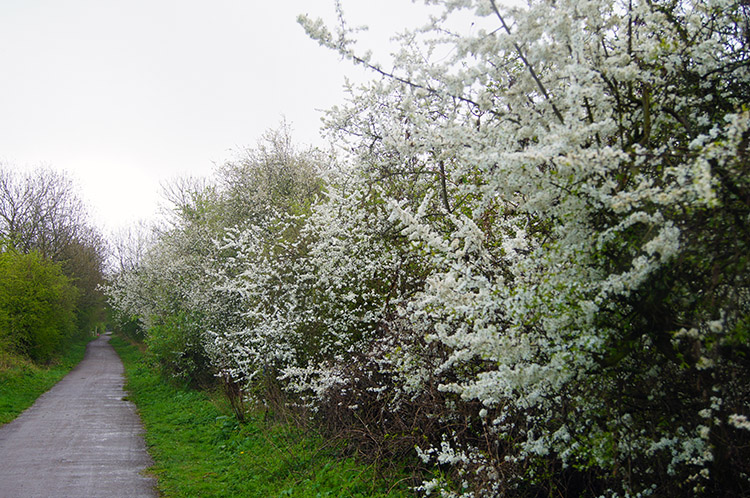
column 127, row 94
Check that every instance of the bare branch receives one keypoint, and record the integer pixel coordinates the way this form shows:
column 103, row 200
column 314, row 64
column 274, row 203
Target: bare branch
column 528, row 65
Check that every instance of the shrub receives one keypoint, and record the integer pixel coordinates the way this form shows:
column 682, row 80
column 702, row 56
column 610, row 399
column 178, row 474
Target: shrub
column 37, row 305
column 174, row 343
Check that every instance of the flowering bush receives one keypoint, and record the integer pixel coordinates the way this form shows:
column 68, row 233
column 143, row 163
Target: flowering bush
column 175, row 291
column 590, row 162
column 534, row 273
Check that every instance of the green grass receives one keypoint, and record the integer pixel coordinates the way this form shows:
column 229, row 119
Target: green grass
column 22, row 381
column 200, row 450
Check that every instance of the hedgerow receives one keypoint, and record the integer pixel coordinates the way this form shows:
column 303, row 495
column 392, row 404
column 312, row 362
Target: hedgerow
column 531, row 273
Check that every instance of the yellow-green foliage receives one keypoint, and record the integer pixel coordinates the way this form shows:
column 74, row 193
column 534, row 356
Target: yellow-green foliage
column 37, row 304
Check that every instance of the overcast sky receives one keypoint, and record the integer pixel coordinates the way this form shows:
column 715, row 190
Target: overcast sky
column 127, row 94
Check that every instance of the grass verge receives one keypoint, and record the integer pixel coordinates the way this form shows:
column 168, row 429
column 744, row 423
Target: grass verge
column 200, row 450
column 22, row 381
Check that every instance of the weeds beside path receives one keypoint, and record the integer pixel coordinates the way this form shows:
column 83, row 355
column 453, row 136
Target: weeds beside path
column 200, row 450
column 22, row 382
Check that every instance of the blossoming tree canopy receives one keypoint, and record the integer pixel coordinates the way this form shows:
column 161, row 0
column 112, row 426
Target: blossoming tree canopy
column 590, row 159
column 533, row 268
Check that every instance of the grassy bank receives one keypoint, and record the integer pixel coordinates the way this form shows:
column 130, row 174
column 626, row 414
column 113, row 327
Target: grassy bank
column 200, row 450
column 22, row 381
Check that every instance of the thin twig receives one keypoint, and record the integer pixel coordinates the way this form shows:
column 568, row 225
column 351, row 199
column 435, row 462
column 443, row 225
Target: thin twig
column 528, row 65
column 412, row 84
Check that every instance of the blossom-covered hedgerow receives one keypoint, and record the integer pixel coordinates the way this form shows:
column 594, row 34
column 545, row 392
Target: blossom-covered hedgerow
column 532, row 278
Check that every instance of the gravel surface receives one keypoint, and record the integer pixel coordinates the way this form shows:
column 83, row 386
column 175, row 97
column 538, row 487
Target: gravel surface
column 80, row 439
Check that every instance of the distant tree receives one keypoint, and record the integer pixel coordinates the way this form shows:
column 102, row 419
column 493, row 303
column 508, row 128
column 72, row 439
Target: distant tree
column 41, row 212
column 189, row 200
column 83, row 261
column 129, row 245
column 273, row 176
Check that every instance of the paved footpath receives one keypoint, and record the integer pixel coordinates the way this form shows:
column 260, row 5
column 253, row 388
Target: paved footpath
column 80, row 439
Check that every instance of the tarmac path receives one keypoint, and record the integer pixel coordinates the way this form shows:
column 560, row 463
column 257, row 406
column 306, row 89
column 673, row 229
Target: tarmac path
column 80, row 439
